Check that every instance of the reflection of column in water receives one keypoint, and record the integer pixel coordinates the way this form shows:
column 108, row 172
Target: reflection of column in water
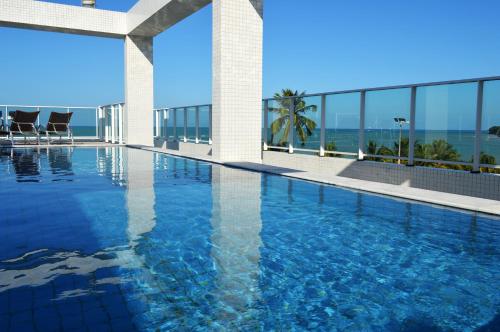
column 359, row 206
column 140, row 195
column 236, row 223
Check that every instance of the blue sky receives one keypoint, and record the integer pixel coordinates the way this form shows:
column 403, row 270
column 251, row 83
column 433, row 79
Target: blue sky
column 320, row 45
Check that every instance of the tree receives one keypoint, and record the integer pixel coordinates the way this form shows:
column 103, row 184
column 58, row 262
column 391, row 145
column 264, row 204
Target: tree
column 441, row 150
column 292, row 100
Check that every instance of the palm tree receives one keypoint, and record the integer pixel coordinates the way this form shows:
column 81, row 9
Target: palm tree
column 441, row 150
column 292, row 100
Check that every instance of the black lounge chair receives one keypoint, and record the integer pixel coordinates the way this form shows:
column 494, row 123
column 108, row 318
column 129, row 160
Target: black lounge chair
column 23, row 123
column 58, row 125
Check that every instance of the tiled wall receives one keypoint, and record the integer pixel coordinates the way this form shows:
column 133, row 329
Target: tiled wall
column 450, row 181
column 138, row 118
column 237, row 80
column 57, row 17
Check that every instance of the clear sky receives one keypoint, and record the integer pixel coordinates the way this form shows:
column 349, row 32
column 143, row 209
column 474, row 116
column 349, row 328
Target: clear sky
column 312, row 45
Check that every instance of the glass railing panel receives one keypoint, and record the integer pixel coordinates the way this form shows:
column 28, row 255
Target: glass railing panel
column 307, row 124
column 83, row 122
column 490, row 129
column 278, row 123
column 191, row 123
column 169, row 125
column 204, row 129
column 387, row 124
column 445, row 124
column 342, row 123
column 179, row 125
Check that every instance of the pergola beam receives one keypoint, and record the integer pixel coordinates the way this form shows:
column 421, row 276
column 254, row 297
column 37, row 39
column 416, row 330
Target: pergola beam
column 149, row 18
column 46, row 16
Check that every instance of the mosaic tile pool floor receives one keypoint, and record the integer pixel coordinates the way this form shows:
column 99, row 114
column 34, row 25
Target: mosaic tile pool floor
column 118, row 239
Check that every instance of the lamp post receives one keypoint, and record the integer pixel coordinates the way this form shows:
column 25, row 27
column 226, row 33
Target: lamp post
column 400, row 122
column 88, row 3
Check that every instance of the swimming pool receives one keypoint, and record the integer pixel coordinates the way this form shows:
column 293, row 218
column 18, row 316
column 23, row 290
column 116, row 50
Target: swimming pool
column 122, row 239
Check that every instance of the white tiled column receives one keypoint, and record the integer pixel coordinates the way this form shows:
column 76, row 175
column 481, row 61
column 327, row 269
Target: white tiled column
column 237, row 80
column 138, row 115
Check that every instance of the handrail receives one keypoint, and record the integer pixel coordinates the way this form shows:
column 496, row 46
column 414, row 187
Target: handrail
column 180, row 107
column 393, row 87
column 44, row 106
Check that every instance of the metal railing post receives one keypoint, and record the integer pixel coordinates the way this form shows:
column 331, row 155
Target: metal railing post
column 291, row 124
column 323, row 125
column 113, row 133
column 165, row 124
column 106, row 125
column 411, row 136
column 197, row 125
column 185, row 124
column 67, row 111
column 361, row 138
column 6, row 118
column 38, row 118
column 266, row 124
column 175, row 124
column 210, row 124
column 120, row 123
column 157, row 120
column 476, row 168
column 97, row 122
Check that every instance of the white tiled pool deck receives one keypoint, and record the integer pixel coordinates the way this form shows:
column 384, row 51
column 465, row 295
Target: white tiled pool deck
column 421, row 195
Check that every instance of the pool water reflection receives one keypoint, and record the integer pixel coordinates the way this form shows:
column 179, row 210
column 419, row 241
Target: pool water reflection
column 123, row 239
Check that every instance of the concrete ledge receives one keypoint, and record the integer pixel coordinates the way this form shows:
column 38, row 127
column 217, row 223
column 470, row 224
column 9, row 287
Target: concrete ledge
column 434, row 179
column 333, row 171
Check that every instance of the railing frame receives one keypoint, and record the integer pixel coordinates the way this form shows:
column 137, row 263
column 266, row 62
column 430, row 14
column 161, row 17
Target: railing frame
column 171, row 114
column 361, row 155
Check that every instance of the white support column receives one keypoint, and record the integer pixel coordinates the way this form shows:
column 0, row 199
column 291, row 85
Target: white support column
column 322, row 135
column 113, row 124
column 361, row 143
column 138, row 115
column 477, row 139
column 237, row 80
column 411, row 139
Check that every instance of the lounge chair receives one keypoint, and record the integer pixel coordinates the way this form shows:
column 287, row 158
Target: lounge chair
column 58, row 125
column 23, row 123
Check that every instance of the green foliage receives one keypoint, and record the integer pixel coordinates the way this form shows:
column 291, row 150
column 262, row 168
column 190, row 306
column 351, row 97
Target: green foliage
column 332, row 146
column 304, row 127
column 495, row 130
column 437, row 150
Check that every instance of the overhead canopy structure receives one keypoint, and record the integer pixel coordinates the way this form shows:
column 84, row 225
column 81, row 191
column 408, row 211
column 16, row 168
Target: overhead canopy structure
column 237, row 61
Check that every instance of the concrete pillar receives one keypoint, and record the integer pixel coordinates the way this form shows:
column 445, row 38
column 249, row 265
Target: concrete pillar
column 237, row 80
column 138, row 116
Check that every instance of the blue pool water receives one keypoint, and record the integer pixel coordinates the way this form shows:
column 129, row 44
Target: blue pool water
column 117, row 239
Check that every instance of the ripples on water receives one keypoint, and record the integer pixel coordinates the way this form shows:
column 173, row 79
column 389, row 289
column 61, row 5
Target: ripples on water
column 124, row 239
